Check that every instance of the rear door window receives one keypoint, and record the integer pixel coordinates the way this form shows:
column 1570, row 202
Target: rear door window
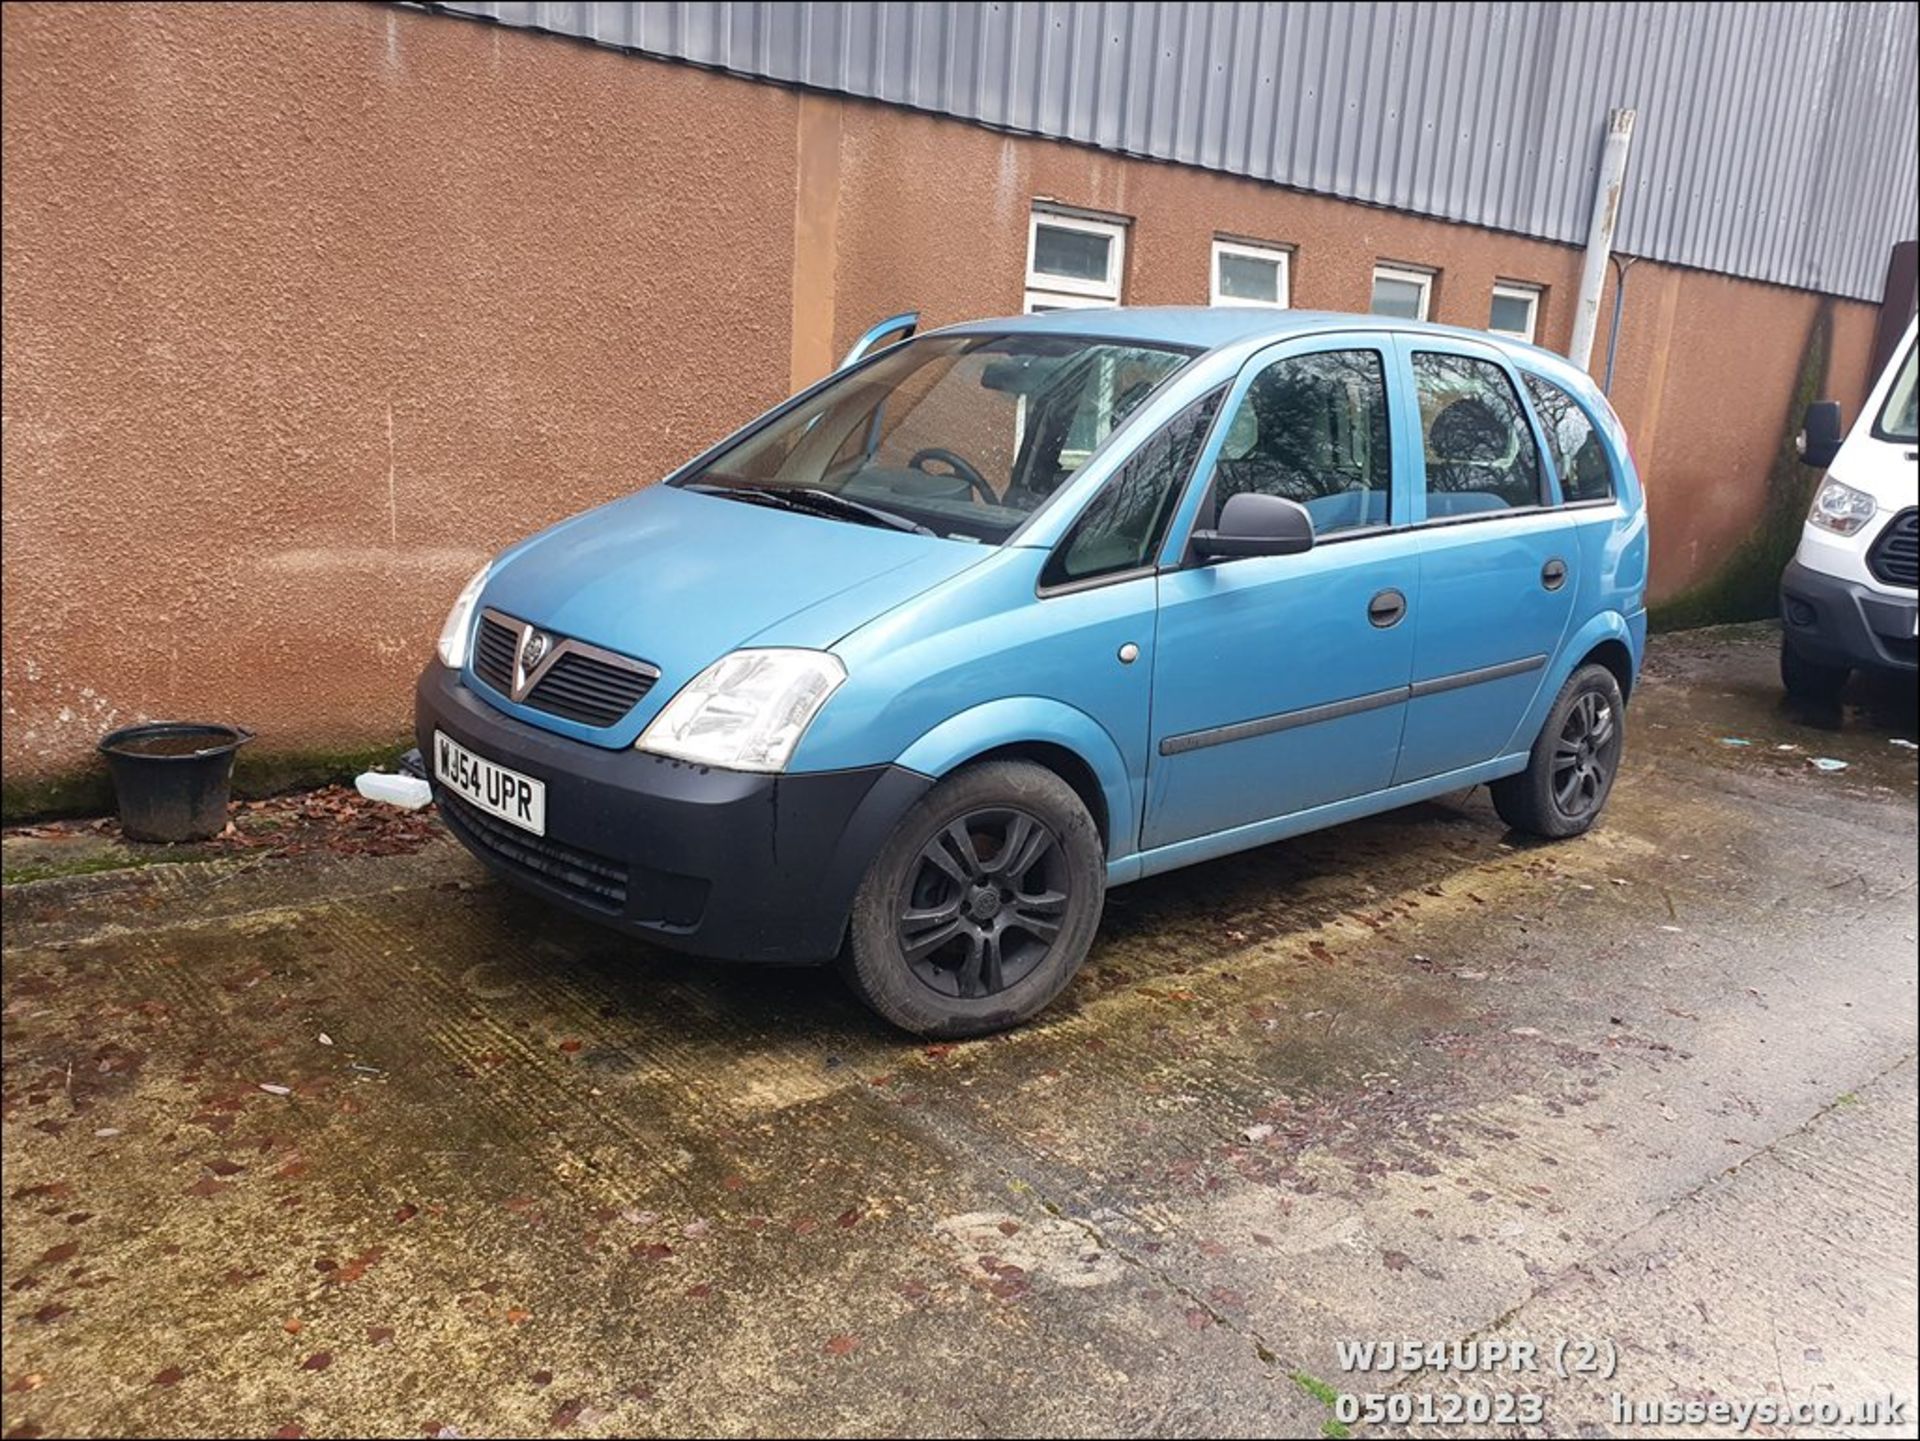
column 1579, row 455
column 1480, row 453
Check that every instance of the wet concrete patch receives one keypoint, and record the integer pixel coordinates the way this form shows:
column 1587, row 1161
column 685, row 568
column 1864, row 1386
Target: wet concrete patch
column 368, row 1145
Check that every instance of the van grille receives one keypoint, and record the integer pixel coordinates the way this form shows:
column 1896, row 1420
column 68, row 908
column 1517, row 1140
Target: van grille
column 1895, row 557
column 594, row 880
column 586, row 685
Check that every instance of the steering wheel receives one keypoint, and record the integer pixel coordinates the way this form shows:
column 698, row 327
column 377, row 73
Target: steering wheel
column 975, row 481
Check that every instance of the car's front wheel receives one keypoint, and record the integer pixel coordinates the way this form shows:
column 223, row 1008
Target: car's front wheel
column 1574, row 761
column 981, row 905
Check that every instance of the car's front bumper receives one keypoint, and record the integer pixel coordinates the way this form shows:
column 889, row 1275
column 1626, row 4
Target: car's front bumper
column 719, row 863
column 1839, row 622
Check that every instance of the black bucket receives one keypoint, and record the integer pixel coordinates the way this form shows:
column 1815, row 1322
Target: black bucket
column 172, row 778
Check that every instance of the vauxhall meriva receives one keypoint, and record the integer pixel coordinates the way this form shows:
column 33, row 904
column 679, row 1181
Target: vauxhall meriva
column 913, row 668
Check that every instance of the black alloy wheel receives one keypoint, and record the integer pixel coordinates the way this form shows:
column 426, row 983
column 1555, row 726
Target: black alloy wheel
column 984, row 903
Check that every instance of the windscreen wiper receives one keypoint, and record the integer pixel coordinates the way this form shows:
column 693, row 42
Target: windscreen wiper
column 809, row 500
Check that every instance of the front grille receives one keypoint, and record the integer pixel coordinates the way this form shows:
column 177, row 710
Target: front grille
column 582, row 684
column 594, row 880
column 493, row 654
column 592, row 692
column 1895, row 557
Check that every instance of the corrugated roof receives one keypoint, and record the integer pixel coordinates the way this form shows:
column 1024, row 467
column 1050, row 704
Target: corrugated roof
column 1775, row 141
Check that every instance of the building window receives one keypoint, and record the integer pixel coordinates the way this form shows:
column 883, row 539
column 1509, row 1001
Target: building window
column 1515, row 310
column 1249, row 275
column 1403, row 291
column 1073, row 263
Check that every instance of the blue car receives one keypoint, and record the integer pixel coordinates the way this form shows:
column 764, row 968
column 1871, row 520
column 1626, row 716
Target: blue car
column 912, row 669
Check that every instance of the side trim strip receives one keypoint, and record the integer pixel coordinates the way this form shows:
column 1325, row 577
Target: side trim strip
column 1475, row 677
column 1285, row 721
column 1336, row 710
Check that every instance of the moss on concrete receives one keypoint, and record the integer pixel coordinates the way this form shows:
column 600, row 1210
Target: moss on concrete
column 87, row 790
column 1746, row 586
column 116, row 860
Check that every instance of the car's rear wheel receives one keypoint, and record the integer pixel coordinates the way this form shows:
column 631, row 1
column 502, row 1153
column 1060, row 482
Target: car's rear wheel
column 1809, row 680
column 981, row 905
column 1574, row 761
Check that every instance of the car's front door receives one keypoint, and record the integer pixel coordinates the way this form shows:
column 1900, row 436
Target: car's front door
column 1497, row 559
column 1280, row 681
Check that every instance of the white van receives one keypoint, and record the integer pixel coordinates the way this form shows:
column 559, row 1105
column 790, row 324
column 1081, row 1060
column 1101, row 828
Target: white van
column 1847, row 600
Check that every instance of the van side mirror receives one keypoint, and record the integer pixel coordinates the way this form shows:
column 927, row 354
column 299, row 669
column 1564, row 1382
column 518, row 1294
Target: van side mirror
column 1820, row 434
column 1255, row 524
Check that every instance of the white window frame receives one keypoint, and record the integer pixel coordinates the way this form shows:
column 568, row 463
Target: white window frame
column 1072, row 292
column 1516, row 290
column 1409, row 276
column 1283, row 274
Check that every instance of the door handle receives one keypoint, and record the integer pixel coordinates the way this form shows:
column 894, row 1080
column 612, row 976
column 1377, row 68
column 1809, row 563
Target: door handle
column 1386, row 609
column 1553, row 574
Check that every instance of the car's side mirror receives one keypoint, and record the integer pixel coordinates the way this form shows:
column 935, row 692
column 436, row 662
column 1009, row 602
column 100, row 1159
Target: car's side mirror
column 1820, row 434
column 1252, row 523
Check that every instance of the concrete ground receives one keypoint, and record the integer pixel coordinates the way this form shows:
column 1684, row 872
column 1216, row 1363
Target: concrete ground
column 306, row 1140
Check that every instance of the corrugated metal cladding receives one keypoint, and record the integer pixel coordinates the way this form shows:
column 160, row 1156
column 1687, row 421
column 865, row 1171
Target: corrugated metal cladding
column 1775, row 141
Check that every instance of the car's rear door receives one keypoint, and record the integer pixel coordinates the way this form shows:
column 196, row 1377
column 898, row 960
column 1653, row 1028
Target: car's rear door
column 1496, row 558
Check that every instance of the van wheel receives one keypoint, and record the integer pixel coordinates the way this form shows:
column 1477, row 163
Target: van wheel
column 981, row 905
column 1808, row 679
column 1574, row 760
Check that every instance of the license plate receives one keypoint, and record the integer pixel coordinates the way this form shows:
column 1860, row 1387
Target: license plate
column 519, row 800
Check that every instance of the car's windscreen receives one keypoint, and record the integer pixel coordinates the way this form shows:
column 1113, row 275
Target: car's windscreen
column 960, row 436
column 1898, row 418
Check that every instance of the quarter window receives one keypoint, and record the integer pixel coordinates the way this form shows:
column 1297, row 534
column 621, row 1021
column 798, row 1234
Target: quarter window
column 1579, row 455
column 1514, row 311
column 1313, row 429
column 1402, row 291
column 1123, row 527
column 1249, row 275
column 1072, row 262
column 1480, row 451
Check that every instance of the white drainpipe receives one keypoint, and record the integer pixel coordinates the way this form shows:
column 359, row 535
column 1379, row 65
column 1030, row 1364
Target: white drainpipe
column 1606, row 211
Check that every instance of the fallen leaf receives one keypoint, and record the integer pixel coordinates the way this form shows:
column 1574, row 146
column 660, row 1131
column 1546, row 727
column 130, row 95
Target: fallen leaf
column 842, row 1345
column 273, row 1090
column 406, row 1212
column 65, row 1251
column 318, row 1361
column 848, row 1218
column 515, row 1315
column 541, row 1378
column 171, row 1376
column 32, row 1381
column 1395, row 1260
column 207, row 1186
column 292, row 1325
column 567, row 1413
column 380, row 1335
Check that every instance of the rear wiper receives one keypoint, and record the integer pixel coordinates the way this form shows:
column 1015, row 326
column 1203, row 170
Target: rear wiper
column 809, row 500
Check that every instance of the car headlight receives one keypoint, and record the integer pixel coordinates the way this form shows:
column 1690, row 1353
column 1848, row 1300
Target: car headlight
column 456, row 636
column 1840, row 508
column 746, row 711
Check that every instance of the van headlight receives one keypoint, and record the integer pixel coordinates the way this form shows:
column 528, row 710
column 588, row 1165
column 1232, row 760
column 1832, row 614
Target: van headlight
column 456, row 636
column 1840, row 508
column 746, row 711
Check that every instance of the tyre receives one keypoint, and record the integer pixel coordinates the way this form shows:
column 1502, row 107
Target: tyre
column 1809, row 679
column 1575, row 759
column 980, row 906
